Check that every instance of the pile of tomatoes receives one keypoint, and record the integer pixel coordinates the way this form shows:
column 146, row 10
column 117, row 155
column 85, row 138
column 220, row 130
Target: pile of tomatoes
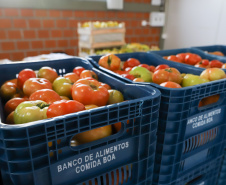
column 195, row 60
column 45, row 89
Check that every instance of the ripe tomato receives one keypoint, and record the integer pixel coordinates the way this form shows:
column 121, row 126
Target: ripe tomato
column 223, row 66
column 11, row 105
column 120, row 72
column 47, row 73
column 90, row 91
column 33, row 84
column 168, row 74
column 110, row 61
column 150, row 68
column 72, row 76
column 138, row 80
column 181, row 56
column 131, row 62
column 47, row 95
column 63, row 107
column 10, row 119
column 23, row 76
column 192, row 59
column 204, row 64
column 170, row 84
column 8, row 90
column 216, row 63
column 88, row 73
column 128, row 69
column 161, row 66
column 108, row 87
column 129, row 76
column 78, row 70
column 175, row 58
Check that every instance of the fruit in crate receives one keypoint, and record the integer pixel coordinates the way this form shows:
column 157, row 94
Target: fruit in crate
column 141, row 72
column 62, row 86
column 191, row 80
column 212, row 74
column 110, row 61
column 115, row 96
column 98, row 24
column 195, row 60
column 28, row 111
column 218, row 53
column 33, row 84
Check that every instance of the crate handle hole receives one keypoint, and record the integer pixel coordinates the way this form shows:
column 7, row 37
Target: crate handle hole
column 195, row 180
column 207, row 101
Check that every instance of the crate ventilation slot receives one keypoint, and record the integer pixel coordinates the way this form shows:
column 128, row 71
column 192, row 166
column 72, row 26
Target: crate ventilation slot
column 200, row 140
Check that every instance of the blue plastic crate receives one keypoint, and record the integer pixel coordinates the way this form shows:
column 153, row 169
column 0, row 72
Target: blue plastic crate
column 206, row 174
column 202, row 54
column 212, row 48
column 182, row 123
column 222, row 173
column 27, row 158
column 144, row 58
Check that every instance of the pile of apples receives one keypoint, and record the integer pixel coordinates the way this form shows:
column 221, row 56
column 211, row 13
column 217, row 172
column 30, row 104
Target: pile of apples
column 195, row 60
column 162, row 75
column 42, row 94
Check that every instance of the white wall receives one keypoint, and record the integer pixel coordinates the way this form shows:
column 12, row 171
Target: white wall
column 195, row 23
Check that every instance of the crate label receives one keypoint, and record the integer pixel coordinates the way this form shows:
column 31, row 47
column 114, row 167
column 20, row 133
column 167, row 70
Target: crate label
column 205, row 119
column 93, row 162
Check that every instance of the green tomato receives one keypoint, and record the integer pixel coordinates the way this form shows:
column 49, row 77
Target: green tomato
column 190, row 80
column 28, row 111
column 62, row 86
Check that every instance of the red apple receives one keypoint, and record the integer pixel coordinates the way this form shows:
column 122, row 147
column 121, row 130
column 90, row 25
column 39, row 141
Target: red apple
column 33, row 84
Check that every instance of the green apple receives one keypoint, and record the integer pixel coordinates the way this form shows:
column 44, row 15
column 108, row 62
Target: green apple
column 190, row 80
column 115, row 96
column 63, row 86
column 212, row 74
column 141, row 72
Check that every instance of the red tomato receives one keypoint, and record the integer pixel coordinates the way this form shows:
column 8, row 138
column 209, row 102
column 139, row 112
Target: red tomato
column 23, row 76
column 88, row 73
column 90, row 91
column 192, row 59
column 204, row 64
column 181, row 56
column 47, row 95
column 11, row 105
column 223, row 66
column 8, row 90
column 108, row 87
column 110, row 61
column 129, row 76
column 78, row 70
column 33, row 84
column 174, row 58
column 168, row 74
column 170, row 84
column 128, row 69
column 161, row 66
column 121, row 72
column 63, row 107
column 131, row 62
column 150, row 68
column 72, row 76
column 216, row 63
